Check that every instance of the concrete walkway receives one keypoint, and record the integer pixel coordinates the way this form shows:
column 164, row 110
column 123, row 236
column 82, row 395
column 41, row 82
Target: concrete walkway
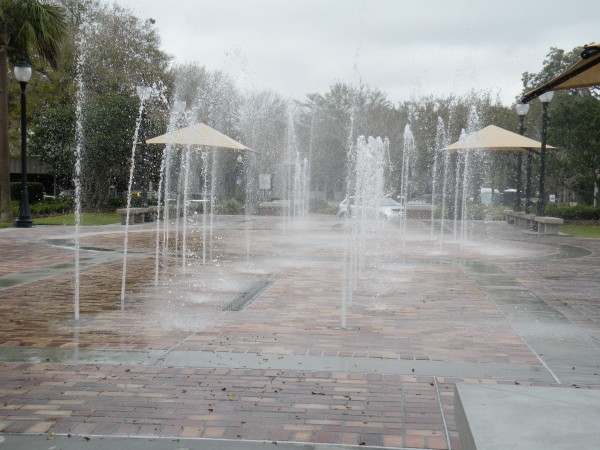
column 311, row 362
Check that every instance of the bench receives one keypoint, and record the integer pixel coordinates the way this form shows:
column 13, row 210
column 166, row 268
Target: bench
column 520, row 218
column 514, row 217
column 548, row 225
column 529, row 221
column 138, row 215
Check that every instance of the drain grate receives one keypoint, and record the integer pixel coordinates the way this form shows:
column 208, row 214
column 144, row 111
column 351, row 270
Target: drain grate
column 246, row 297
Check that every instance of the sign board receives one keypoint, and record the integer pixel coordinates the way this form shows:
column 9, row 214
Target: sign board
column 264, row 181
column 553, row 198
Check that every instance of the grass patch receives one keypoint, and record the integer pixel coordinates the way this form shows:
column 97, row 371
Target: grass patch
column 87, row 219
column 584, row 231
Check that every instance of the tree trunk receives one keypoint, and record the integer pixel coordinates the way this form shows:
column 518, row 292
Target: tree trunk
column 5, row 204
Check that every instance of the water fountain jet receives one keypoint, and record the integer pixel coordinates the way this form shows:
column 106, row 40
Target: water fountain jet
column 144, row 93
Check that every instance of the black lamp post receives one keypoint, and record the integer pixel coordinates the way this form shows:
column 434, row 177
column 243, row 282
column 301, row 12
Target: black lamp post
column 522, row 110
column 143, row 92
column 23, row 75
column 596, row 187
column 528, row 169
column 545, row 98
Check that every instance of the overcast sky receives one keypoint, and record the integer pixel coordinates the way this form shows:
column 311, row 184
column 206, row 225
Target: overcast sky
column 405, row 48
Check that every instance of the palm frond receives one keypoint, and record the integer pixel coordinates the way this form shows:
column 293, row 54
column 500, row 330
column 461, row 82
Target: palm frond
column 34, row 28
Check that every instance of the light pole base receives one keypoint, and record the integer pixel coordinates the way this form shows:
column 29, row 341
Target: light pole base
column 23, row 223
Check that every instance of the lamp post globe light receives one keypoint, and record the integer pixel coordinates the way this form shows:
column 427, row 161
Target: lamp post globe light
column 239, row 177
column 545, row 98
column 143, row 92
column 522, row 110
column 23, row 75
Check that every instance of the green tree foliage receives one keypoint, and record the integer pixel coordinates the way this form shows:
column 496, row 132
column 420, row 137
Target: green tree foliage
column 333, row 133
column 31, row 30
column 467, row 114
column 120, row 51
column 108, row 121
column 54, row 140
column 556, row 62
column 116, row 52
column 213, row 99
column 263, row 124
column 575, row 129
column 333, row 121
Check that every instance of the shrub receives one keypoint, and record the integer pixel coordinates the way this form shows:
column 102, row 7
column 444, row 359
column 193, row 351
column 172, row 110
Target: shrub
column 320, row 206
column 49, row 207
column 197, row 207
column 104, row 203
column 230, row 206
column 330, row 209
column 485, row 212
column 578, row 212
column 115, row 203
column 317, row 205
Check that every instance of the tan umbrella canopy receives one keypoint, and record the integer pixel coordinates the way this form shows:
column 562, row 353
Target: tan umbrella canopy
column 199, row 135
column 495, row 138
column 585, row 73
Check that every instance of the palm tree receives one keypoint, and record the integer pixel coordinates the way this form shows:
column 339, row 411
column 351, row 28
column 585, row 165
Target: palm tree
column 29, row 30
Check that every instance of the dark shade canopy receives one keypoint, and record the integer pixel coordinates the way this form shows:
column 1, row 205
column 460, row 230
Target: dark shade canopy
column 586, row 73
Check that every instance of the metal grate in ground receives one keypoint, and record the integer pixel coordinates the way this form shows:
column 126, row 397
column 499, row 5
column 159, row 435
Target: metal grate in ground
column 246, row 297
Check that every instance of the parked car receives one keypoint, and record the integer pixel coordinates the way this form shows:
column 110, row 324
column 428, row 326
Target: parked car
column 67, row 193
column 386, row 208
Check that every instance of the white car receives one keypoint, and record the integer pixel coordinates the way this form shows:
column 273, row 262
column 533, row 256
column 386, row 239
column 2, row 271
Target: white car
column 386, row 208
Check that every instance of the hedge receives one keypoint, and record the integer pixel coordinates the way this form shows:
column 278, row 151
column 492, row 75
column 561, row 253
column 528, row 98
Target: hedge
column 230, row 206
column 485, row 212
column 578, row 212
column 51, row 207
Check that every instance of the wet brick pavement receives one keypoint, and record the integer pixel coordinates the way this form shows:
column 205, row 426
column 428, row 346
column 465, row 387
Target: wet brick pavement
column 299, row 364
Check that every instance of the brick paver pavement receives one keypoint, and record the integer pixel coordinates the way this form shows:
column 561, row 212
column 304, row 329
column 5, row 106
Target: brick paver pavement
column 414, row 307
